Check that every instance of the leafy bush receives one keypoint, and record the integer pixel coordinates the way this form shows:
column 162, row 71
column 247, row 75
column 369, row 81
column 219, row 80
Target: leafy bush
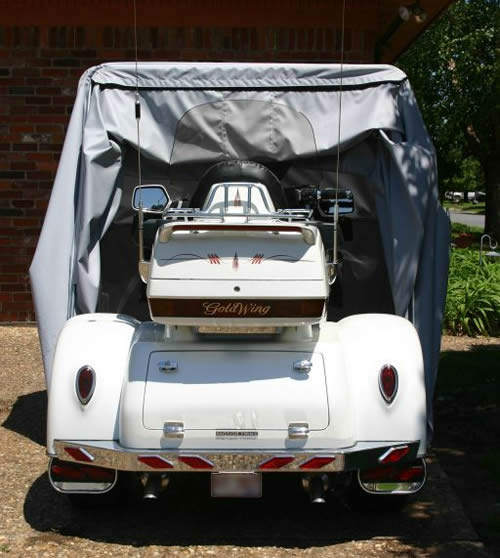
column 473, row 300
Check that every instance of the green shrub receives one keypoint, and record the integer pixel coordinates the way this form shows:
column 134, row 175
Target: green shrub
column 462, row 228
column 473, row 299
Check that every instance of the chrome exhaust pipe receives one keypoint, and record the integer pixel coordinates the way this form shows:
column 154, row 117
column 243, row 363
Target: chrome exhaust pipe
column 153, row 485
column 316, row 486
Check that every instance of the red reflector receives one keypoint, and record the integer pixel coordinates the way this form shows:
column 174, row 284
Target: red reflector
column 394, row 455
column 155, row 462
column 85, row 384
column 388, row 382
column 66, row 471
column 413, row 473
column 263, row 228
column 276, row 462
column 196, row 462
column 79, row 454
column 317, row 462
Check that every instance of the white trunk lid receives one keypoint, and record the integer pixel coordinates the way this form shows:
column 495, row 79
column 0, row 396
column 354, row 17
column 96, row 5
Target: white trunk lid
column 213, row 390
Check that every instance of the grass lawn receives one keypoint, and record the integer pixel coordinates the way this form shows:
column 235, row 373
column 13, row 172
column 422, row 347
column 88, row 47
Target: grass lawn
column 469, row 207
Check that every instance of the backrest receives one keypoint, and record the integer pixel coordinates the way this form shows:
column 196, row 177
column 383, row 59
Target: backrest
column 239, row 171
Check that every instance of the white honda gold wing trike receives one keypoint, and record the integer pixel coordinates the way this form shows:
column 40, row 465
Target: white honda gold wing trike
column 267, row 349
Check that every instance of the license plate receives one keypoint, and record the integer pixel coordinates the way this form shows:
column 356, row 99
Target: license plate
column 236, row 485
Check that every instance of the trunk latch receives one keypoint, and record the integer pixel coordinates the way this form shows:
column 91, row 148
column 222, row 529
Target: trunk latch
column 302, row 366
column 298, row 430
column 167, row 366
column 173, row 430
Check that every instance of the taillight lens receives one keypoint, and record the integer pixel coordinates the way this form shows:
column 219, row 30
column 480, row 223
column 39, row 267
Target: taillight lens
column 85, row 384
column 64, row 471
column 388, row 382
column 407, row 473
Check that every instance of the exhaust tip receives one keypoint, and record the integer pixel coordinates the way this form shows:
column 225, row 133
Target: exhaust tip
column 316, row 486
column 153, row 485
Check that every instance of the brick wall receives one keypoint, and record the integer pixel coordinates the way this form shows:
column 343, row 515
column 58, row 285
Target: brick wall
column 39, row 70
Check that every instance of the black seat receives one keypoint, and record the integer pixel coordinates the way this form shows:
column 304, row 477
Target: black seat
column 239, row 171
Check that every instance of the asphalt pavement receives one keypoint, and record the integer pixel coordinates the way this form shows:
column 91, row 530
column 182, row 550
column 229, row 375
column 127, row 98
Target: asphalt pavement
column 469, row 219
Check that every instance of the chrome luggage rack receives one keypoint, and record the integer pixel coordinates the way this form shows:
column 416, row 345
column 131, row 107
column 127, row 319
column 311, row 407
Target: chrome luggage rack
column 188, row 214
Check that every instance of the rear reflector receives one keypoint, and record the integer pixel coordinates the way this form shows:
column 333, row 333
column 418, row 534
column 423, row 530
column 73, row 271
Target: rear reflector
column 394, row 455
column 412, row 473
column 317, row 462
column 276, row 462
column 70, row 477
column 196, row 462
column 395, row 479
column 62, row 471
column 155, row 462
column 79, row 454
column 244, row 228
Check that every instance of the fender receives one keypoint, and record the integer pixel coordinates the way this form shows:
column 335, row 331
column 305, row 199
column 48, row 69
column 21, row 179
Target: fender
column 101, row 341
column 369, row 341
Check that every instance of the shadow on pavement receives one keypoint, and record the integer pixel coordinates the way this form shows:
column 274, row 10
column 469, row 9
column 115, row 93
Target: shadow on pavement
column 28, row 417
column 186, row 515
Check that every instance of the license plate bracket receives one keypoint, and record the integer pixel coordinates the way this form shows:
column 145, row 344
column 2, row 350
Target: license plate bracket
column 236, row 485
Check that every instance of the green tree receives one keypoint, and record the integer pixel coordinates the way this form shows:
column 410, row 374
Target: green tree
column 454, row 71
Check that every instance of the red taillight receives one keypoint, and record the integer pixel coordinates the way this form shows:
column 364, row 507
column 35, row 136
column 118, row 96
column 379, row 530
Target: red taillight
column 411, row 473
column 62, row 471
column 79, row 454
column 196, row 462
column 85, row 384
column 388, row 382
column 394, row 455
column 276, row 462
column 317, row 462
column 155, row 462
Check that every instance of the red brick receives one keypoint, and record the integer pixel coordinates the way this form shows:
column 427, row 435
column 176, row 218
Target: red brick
column 16, row 306
column 22, row 297
column 13, row 268
column 23, row 203
column 22, row 165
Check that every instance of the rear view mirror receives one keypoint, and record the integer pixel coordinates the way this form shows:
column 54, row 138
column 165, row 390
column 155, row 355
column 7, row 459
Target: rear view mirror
column 151, row 197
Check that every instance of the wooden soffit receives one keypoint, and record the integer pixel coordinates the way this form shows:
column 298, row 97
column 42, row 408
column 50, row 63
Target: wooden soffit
column 378, row 18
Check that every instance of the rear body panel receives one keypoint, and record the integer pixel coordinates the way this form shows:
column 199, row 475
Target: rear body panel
column 235, row 390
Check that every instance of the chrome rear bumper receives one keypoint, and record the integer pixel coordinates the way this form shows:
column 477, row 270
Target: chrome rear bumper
column 111, row 455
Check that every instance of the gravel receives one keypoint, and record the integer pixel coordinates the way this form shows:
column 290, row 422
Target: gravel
column 36, row 521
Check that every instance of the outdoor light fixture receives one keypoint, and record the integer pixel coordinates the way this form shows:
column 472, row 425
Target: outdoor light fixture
column 415, row 10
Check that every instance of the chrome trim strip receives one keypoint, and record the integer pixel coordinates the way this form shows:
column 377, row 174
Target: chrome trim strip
column 113, row 456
